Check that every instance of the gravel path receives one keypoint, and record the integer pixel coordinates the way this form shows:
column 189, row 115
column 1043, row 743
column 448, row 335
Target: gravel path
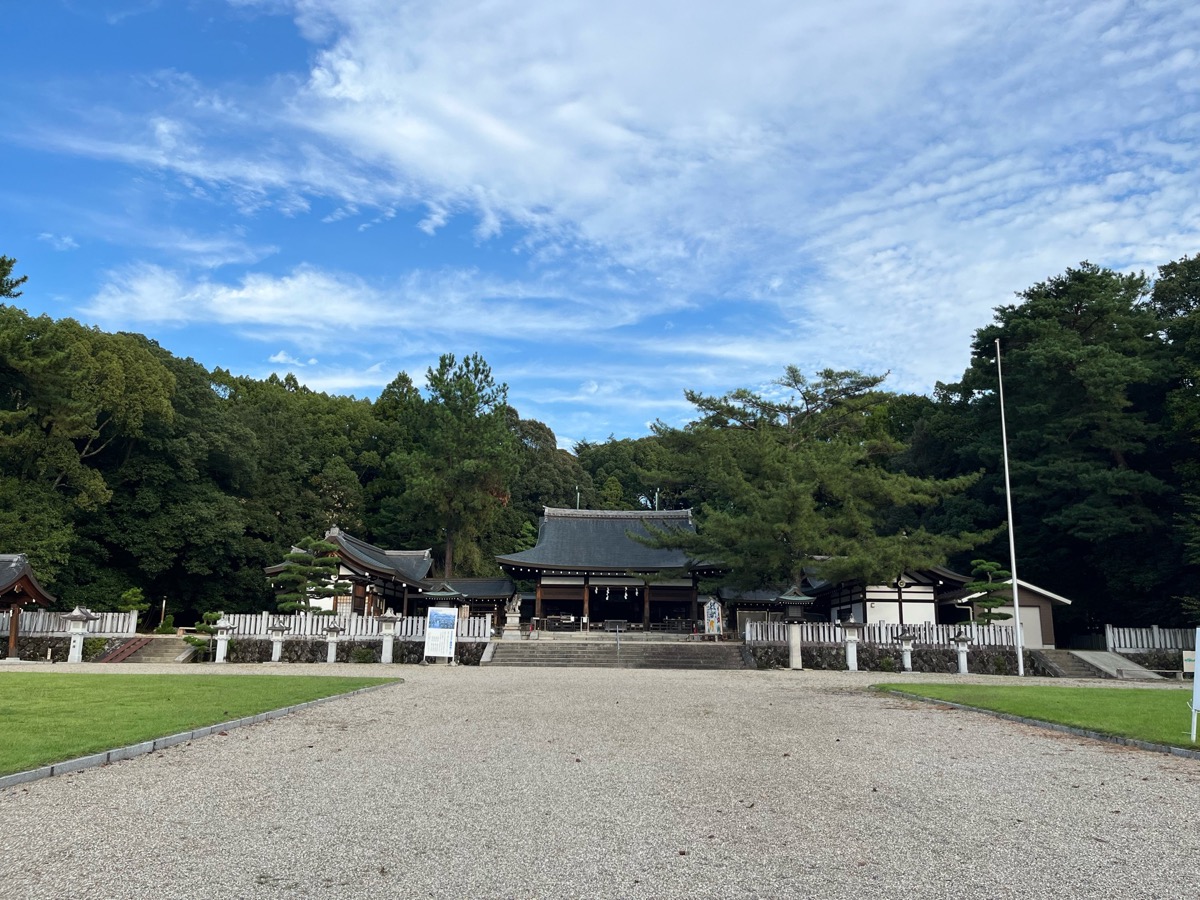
column 614, row 783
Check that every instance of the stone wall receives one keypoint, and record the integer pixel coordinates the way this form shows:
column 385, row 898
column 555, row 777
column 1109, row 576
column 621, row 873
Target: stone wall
column 882, row 658
column 34, row 648
column 252, row 650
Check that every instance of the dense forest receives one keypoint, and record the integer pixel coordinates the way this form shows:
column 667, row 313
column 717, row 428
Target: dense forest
column 123, row 466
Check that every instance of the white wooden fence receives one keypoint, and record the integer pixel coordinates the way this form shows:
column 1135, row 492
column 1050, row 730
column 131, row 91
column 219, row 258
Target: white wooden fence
column 882, row 633
column 43, row 623
column 358, row 628
column 1133, row 640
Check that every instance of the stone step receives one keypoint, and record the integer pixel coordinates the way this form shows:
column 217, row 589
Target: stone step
column 159, row 651
column 1069, row 665
column 632, row 656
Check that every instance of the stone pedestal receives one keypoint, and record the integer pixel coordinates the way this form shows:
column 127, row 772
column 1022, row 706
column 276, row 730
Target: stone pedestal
column 512, row 627
column 795, row 661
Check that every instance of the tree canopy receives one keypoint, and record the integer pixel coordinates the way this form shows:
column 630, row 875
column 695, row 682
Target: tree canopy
column 126, row 469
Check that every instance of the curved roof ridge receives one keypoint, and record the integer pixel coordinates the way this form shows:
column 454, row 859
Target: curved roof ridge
column 559, row 513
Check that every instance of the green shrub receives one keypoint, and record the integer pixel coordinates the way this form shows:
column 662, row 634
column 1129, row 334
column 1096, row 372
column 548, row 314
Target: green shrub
column 93, row 647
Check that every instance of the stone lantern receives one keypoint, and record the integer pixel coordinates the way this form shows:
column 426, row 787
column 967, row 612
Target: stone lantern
column 907, row 637
column 853, row 631
column 331, row 636
column 387, row 624
column 795, row 603
column 277, row 631
column 962, row 640
column 224, row 633
column 77, row 620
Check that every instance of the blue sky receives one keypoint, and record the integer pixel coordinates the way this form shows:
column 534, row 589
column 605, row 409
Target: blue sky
column 611, row 202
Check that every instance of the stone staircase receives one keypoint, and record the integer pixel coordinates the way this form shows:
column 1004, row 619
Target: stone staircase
column 162, row 650
column 1065, row 664
column 632, row 654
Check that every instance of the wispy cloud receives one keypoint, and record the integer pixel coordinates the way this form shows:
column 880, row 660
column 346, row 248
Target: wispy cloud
column 714, row 193
column 59, row 241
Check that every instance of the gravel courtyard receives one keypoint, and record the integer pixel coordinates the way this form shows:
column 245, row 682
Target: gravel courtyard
column 472, row 782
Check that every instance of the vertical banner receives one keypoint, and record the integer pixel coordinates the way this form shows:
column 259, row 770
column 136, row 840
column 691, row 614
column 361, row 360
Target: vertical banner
column 713, row 623
column 441, row 628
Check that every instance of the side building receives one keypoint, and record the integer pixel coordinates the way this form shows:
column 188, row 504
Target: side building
column 399, row 580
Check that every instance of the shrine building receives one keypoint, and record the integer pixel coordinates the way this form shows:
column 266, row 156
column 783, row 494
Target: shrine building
column 590, row 564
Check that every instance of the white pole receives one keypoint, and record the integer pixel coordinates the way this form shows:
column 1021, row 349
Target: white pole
column 1012, row 540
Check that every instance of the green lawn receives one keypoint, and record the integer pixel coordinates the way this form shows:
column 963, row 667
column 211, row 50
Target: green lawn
column 47, row 718
column 1159, row 716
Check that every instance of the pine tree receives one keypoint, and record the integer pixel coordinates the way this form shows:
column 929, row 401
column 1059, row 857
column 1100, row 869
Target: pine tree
column 990, row 583
column 309, row 574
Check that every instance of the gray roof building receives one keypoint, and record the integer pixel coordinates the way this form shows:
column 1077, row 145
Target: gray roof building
column 601, row 541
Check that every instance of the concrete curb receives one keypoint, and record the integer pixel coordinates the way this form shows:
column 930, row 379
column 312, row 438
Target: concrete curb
column 1053, row 726
column 121, row 753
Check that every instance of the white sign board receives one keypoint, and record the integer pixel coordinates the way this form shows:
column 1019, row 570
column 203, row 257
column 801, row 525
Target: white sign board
column 713, row 621
column 441, row 628
column 1189, row 661
column 1195, row 688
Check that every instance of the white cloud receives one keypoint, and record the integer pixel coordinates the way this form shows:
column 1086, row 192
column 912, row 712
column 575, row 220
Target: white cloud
column 853, row 184
column 310, row 304
column 59, row 241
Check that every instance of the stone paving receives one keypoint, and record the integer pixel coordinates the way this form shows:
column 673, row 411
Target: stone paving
column 613, row 783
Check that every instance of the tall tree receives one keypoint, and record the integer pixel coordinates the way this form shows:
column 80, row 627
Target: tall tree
column 1175, row 300
column 1084, row 379
column 8, row 284
column 795, row 482
column 457, row 475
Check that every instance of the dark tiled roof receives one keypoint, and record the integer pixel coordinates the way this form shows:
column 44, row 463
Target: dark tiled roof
column 14, row 567
column 586, row 539
column 481, row 588
column 792, row 596
column 408, row 565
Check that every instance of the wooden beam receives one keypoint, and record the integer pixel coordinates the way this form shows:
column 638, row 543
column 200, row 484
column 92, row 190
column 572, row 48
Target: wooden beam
column 646, row 606
column 537, row 601
column 14, row 620
column 587, row 590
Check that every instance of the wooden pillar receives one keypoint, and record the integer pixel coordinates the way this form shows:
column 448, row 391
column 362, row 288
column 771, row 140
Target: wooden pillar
column 404, row 602
column 695, row 602
column 646, row 606
column 537, row 601
column 587, row 592
column 14, row 620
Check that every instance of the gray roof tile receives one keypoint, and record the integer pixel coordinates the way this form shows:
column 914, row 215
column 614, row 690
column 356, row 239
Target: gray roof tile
column 591, row 539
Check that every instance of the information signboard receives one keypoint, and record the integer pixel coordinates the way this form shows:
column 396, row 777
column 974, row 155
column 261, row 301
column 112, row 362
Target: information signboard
column 441, row 629
column 713, row 622
column 1195, row 688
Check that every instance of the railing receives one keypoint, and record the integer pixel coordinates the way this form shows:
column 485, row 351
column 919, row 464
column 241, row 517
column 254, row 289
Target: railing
column 43, row 623
column 1126, row 640
column 882, row 633
column 360, row 628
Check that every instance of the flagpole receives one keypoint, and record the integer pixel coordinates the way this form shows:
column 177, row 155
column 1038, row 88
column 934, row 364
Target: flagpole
column 1012, row 540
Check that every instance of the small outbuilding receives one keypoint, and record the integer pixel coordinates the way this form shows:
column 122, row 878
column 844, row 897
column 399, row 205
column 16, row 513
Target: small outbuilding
column 19, row 588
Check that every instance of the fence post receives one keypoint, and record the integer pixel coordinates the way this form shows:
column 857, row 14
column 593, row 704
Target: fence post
column 1108, row 638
